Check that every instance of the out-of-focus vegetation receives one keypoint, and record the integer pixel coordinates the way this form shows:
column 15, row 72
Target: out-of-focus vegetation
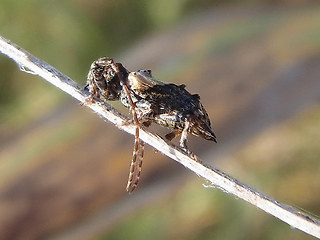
column 60, row 165
column 78, row 32
column 73, row 32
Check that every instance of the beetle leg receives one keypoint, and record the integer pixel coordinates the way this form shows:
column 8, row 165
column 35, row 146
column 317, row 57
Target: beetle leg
column 172, row 135
column 183, row 139
column 135, row 168
column 136, row 162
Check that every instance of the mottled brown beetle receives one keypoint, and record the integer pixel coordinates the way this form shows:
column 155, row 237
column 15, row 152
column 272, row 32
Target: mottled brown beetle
column 150, row 101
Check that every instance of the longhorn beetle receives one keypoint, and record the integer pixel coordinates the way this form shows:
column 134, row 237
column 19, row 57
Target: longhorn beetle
column 149, row 100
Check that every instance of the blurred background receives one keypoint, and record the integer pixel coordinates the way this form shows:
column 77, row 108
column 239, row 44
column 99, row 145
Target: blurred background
column 256, row 66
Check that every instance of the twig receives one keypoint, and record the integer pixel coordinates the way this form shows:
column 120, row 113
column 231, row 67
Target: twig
column 219, row 179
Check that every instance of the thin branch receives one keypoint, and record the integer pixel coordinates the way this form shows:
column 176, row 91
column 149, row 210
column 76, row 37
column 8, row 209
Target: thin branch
column 219, row 179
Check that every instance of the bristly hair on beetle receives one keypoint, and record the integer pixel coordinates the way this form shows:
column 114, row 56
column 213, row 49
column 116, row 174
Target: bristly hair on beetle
column 150, row 101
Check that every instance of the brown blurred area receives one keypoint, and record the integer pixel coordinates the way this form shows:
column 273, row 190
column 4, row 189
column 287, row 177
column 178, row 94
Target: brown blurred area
column 63, row 170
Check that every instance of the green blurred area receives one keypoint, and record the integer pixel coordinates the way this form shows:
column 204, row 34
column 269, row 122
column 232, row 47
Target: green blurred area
column 79, row 32
column 76, row 32
column 282, row 160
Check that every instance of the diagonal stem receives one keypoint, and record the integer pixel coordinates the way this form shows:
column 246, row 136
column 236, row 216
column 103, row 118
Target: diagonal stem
column 221, row 180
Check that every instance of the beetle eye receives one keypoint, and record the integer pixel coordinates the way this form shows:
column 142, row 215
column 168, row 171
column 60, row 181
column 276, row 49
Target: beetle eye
column 149, row 71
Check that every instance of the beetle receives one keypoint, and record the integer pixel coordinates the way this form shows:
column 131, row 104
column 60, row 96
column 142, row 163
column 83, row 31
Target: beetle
column 150, row 101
